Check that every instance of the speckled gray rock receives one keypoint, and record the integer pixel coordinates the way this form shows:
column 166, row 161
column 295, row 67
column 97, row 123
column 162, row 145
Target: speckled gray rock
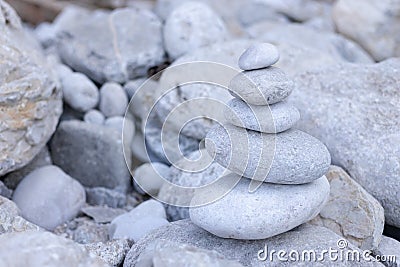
column 183, row 175
column 262, row 87
column 351, row 211
column 291, row 157
column 92, row 154
column 112, row 252
column 389, row 247
column 89, row 232
column 12, row 179
column 226, row 53
column 103, row 196
column 269, row 211
column 79, row 92
column 363, row 133
column 30, row 96
column 135, row 224
column 150, row 177
column 258, row 56
column 10, row 219
column 44, row 249
column 83, row 230
column 374, row 25
column 94, row 116
column 202, row 27
column 102, row 214
column 298, row 35
column 49, row 197
column 305, row 237
column 167, row 253
column 116, row 56
column 113, row 100
column 274, row 118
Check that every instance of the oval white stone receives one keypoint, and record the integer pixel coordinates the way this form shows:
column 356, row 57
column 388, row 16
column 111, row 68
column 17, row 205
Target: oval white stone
column 269, row 211
column 259, row 56
column 113, row 100
column 79, row 92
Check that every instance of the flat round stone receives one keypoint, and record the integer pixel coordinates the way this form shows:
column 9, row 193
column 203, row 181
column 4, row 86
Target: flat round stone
column 269, row 211
column 274, row 118
column 258, row 56
column 290, row 157
column 262, row 87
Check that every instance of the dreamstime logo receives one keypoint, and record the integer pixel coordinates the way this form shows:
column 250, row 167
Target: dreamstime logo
column 342, row 253
column 191, row 98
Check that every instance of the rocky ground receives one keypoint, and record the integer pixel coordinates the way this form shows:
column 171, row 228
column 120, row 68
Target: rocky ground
column 101, row 162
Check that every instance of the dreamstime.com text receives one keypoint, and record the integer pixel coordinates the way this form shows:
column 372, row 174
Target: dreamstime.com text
column 341, row 253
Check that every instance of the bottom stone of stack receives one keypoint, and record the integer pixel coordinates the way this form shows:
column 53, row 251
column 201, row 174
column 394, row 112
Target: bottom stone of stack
column 271, row 210
column 256, row 253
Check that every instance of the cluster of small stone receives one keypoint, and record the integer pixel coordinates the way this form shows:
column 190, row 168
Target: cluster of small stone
column 257, row 142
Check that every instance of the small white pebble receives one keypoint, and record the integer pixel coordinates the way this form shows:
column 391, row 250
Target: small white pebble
column 113, row 100
column 94, row 116
column 258, row 56
column 79, row 92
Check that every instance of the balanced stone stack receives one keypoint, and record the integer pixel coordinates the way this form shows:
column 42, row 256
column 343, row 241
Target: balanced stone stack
column 257, row 142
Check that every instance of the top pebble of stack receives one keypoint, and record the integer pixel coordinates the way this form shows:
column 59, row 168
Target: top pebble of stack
column 258, row 56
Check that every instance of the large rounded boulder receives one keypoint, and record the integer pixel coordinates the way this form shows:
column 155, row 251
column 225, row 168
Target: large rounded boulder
column 30, row 98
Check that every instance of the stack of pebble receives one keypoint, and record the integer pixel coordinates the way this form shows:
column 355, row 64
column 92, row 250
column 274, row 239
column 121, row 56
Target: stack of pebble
column 257, row 142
